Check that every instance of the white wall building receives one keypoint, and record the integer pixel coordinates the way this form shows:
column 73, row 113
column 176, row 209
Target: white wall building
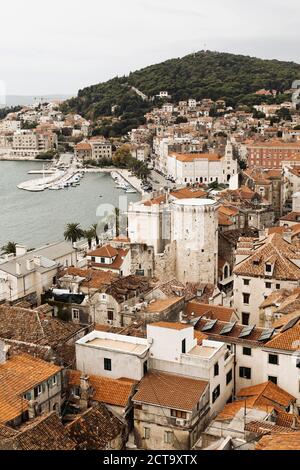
column 262, row 266
column 174, row 349
column 112, row 355
column 29, row 274
column 202, row 167
column 262, row 355
column 9, row 125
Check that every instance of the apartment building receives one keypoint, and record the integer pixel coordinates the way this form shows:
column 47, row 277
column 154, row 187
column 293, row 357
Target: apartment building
column 272, row 154
column 262, row 266
column 28, row 274
column 31, row 143
column 9, row 125
column 261, row 354
column 28, row 387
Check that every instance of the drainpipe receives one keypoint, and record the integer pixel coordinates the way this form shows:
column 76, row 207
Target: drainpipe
column 234, row 370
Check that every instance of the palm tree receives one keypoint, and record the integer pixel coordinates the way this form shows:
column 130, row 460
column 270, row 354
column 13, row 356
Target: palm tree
column 9, row 248
column 73, row 232
column 89, row 235
column 94, row 227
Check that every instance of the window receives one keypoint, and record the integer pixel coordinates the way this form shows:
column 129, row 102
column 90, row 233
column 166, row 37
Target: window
column 54, row 380
column 216, row 393
column 246, row 298
column 268, row 268
column 183, row 346
column 273, row 359
column 229, row 377
column 169, row 437
column 216, row 369
column 178, row 414
column 246, row 282
column 110, row 315
column 277, row 286
column 268, row 285
column 27, row 396
column 146, row 433
column 107, row 364
column 37, row 391
column 93, row 259
column 75, row 313
column 245, row 373
column 103, row 260
column 273, row 379
column 245, row 318
column 247, row 351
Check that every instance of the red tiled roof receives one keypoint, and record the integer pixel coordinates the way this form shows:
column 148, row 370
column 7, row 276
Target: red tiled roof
column 106, row 251
column 214, row 312
column 170, row 391
column 110, row 391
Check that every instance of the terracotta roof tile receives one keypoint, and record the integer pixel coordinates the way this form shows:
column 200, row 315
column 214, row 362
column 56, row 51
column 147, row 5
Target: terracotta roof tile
column 171, row 326
column 190, row 157
column 45, row 433
column 110, row 391
column 94, row 278
column 18, row 375
column 106, row 251
column 280, row 441
column 214, row 312
column 160, row 305
column 170, row 391
column 95, row 429
column 267, row 392
column 273, row 249
column 288, row 340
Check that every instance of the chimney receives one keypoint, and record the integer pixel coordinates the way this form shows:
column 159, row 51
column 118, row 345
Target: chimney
column 18, row 269
column 29, row 264
column 32, row 409
column 37, row 260
column 21, row 250
column 262, row 234
column 85, row 392
column 4, row 349
column 287, row 236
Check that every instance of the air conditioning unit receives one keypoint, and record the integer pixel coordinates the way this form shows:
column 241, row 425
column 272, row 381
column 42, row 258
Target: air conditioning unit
column 180, row 422
column 109, row 322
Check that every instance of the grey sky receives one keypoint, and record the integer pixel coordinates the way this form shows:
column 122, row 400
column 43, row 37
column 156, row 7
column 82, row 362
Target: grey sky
column 63, row 45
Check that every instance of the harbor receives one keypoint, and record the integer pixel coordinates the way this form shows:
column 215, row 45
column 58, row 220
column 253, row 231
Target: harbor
column 27, row 217
column 67, row 172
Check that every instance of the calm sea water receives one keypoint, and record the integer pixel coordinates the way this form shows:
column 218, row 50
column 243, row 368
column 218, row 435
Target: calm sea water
column 37, row 218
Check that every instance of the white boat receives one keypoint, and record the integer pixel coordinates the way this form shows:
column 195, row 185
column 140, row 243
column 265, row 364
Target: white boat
column 131, row 191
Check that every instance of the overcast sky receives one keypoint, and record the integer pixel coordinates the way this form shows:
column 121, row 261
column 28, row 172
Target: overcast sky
column 64, row 45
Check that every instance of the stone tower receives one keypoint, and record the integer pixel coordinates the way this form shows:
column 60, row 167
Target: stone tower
column 194, row 231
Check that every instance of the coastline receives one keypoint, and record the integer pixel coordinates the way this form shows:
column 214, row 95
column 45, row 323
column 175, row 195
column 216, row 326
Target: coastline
column 125, row 174
column 5, row 158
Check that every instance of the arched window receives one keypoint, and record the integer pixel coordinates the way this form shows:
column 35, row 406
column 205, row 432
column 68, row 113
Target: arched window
column 226, row 272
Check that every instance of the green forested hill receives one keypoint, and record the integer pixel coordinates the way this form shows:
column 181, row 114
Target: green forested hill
column 201, row 75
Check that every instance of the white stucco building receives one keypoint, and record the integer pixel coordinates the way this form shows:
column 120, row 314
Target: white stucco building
column 202, row 167
column 29, row 274
column 112, row 355
column 262, row 266
column 261, row 354
column 174, row 349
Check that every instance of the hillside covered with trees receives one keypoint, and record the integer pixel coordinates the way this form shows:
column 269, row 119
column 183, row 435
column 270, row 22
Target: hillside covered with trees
column 234, row 78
